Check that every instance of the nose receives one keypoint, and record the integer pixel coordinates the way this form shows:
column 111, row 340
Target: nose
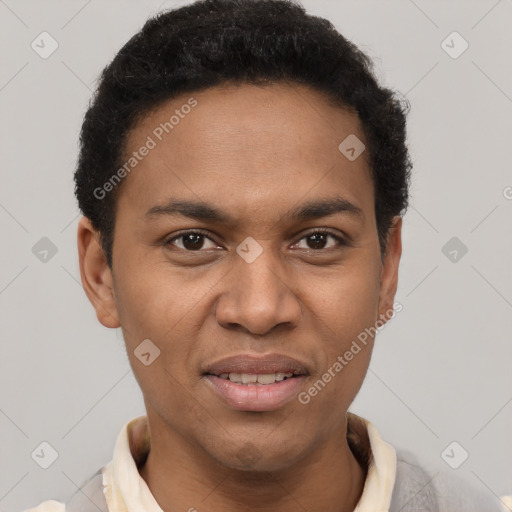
column 258, row 297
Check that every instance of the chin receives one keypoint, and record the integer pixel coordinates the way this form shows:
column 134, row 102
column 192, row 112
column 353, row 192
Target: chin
column 258, row 457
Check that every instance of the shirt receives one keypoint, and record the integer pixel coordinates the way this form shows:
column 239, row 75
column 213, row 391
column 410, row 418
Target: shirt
column 118, row 486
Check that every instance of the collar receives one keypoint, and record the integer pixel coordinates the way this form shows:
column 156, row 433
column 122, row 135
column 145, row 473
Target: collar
column 126, row 491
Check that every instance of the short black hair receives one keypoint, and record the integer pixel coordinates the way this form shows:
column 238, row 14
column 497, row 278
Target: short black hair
column 216, row 42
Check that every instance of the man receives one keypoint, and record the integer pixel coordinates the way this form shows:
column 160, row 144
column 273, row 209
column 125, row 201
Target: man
column 243, row 178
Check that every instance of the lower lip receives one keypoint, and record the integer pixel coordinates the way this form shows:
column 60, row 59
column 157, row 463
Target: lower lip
column 250, row 397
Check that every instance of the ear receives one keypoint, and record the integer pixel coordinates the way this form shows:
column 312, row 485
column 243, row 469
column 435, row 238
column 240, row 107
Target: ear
column 389, row 273
column 95, row 274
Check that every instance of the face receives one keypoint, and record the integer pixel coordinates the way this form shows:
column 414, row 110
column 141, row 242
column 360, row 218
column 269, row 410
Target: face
column 275, row 252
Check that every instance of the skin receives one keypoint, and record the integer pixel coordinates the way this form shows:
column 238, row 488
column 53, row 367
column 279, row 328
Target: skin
column 255, row 153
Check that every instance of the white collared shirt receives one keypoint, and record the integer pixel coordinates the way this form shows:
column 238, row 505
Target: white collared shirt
column 126, row 491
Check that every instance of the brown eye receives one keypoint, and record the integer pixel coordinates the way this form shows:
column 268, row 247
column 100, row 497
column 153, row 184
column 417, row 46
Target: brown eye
column 191, row 241
column 318, row 240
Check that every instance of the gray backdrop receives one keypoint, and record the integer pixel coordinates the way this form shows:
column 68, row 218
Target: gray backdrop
column 441, row 370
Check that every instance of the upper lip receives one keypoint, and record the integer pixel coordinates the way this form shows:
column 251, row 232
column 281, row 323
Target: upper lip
column 257, row 364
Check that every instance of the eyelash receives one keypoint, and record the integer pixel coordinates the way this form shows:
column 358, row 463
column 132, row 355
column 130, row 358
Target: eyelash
column 340, row 241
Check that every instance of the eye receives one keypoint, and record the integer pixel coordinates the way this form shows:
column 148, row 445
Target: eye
column 194, row 241
column 318, row 239
column 191, row 241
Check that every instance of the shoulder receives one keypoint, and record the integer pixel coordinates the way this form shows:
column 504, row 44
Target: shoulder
column 418, row 489
column 455, row 493
column 48, row 506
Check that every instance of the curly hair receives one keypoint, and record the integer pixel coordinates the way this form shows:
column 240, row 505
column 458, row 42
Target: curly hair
column 214, row 42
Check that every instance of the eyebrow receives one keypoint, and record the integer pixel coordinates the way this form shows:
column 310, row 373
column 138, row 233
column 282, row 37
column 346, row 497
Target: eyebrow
column 207, row 212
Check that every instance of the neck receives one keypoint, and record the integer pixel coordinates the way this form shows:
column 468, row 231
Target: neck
column 183, row 477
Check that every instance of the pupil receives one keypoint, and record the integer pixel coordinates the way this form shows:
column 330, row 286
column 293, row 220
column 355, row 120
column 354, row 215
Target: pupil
column 316, row 237
column 196, row 243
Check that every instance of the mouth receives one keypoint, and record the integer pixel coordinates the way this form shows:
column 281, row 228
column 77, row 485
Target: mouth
column 258, row 379
column 256, row 383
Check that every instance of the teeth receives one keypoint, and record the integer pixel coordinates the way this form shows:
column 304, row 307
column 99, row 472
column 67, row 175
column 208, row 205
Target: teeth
column 248, row 378
column 268, row 378
column 253, row 378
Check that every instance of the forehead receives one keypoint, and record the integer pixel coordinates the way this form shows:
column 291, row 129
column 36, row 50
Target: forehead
column 246, row 148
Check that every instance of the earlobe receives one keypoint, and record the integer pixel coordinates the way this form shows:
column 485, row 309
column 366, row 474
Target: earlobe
column 389, row 276
column 96, row 275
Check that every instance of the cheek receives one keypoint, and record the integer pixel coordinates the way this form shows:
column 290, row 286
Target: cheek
column 151, row 309
column 344, row 311
column 349, row 298
column 153, row 297
column 166, row 306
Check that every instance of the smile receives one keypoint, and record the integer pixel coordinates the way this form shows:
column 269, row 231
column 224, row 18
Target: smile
column 258, row 379
column 255, row 395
